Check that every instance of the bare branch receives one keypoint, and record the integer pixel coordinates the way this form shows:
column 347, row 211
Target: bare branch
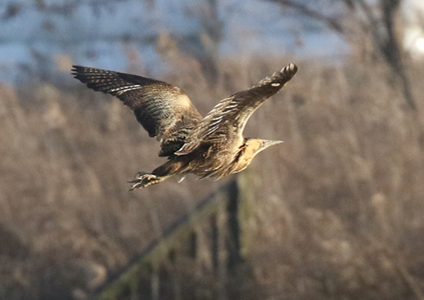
column 306, row 10
column 377, row 21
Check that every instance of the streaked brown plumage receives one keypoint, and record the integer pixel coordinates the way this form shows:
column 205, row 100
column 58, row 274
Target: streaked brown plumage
column 212, row 146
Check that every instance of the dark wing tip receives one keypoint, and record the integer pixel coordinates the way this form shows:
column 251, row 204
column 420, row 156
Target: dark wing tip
column 76, row 69
column 278, row 79
column 290, row 70
column 78, row 73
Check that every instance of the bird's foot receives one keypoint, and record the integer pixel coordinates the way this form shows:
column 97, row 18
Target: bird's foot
column 144, row 179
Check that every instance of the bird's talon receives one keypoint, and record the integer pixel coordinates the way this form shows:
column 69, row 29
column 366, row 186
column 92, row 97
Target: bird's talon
column 142, row 180
column 134, row 180
column 134, row 186
column 139, row 175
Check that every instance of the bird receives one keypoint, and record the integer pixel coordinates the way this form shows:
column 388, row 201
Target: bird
column 210, row 146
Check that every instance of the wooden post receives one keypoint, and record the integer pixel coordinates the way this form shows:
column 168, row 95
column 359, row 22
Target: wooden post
column 155, row 283
column 221, row 209
column 233, row 225
column 214, row 243
column 192, row 250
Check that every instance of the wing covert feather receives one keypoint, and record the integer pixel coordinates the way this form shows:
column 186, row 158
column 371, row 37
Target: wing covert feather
column 165, row 111
column 226, row 121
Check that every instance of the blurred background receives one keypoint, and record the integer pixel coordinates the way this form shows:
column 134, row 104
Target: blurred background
column 336, row 212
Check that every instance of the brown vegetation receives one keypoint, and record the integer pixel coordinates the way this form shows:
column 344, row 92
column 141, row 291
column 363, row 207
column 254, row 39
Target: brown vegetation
column 334, row 212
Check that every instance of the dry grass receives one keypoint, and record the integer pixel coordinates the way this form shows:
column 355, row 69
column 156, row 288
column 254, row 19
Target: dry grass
column 341, row 216
column 335, row 212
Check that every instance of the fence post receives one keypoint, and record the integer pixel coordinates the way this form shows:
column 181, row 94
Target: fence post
column 214, row 243
column 192, row 247
column 233, row 224
column 222, row 210
column 155, row 283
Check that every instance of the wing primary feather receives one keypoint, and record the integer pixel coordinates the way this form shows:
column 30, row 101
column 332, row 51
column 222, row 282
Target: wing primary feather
column 164, row 110
column 234, row 111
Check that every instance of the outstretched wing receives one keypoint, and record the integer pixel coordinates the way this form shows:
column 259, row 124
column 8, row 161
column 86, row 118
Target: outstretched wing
column 165, row 111
column 226, row 121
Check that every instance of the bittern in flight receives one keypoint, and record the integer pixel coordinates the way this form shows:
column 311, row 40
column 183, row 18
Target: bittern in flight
column 213, row 146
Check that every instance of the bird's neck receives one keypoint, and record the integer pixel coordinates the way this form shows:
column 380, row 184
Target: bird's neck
column 246, row 153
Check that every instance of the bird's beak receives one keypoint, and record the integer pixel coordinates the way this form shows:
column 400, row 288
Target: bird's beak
column 268, row 143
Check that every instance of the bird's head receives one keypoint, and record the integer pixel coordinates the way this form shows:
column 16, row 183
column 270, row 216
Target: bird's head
column 251, row 148
column 254, row 146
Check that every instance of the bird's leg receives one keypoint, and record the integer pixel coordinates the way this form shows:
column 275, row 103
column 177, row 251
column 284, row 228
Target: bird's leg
column 168, row 169
column 143, row 180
